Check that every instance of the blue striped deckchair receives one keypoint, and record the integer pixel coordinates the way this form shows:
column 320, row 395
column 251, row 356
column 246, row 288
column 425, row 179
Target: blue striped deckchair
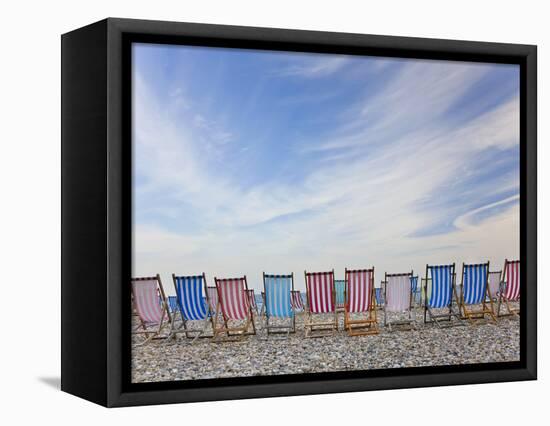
column 416, row 290
column 474, row 290
column 379, row 296
column 439, row 294
column 192, row 301
column 278, row 303
column 173, row 304
column 340, row 288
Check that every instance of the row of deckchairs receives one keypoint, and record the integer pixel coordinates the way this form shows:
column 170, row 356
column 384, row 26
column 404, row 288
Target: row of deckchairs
column 228, row 308
column 445, row 300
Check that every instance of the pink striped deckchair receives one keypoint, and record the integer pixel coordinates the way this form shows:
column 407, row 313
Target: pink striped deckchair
column 398, row 298
column 360, row 299
column 147, row 292
column 235, row 308
column 296, row 301
column 321, row 301
column 510, row 290
column 252, row 301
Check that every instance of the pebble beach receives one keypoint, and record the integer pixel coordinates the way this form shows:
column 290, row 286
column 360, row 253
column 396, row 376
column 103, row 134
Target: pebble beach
column 260, row 355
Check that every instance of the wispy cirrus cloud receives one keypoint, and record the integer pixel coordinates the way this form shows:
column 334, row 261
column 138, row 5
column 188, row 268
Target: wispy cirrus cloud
column 391, row 176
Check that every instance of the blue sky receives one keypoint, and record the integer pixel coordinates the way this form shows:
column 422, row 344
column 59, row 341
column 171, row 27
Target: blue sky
column 249, row 161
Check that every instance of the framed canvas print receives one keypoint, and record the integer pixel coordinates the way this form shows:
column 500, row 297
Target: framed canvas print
column 254, row 212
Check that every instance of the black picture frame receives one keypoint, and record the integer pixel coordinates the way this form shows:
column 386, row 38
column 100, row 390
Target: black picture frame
column 96, row 211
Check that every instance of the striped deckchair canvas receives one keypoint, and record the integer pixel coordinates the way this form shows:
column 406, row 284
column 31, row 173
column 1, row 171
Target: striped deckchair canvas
column 379, row 296
column 439, row 294
column 416, row 290
column 474, row 291
column 173, row 304
column 360, row 299
column 398, row 298
column 235, row 308
column 152, row 315
column 191, row 292
column 278, row 303
column 252, row 300
column 511, row 287
column 297, row 301
column 320, row 301
column 340, row 289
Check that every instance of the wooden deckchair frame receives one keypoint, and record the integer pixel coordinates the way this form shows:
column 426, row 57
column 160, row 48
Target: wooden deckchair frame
column 320, row 329
column 279, row 329
column 363, row 326
column 447, row 318
column 412, row 318
column 232, row 333
column 473, row 315
column 155, row 333
column 511, row 311
column 190, row 333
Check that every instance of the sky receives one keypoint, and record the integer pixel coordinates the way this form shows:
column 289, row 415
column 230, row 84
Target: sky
column 247, row 161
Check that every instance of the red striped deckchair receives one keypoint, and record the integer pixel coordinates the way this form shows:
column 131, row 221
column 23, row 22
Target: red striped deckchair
column 321, row 300
column 252, row 301
column 235, row 308
column 398, row 298
column 360, row 299
column 296, row 301
column 510, row 289
column 153, row 316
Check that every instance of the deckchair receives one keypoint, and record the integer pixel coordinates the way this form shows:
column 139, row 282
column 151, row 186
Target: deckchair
column 398, row 299
column 252, row 301
column 360, row 299
column 340, row 289
column 510, row 288
column 379, row 296
column 474, row 290
column 235, row 308
column 192, row 295
column 173, row 304
column 278, row 303
column 416, row 290
column 297, row 302
column 320, row 302
column 439, row 288
column 152, row 315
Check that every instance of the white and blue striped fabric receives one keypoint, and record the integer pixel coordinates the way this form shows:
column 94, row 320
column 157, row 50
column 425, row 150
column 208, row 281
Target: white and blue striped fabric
column 277, row 296
column 190, row 298
column 378, row 295
column 173, row 303
column 414, row 283
column 474, row 283
column 442, row 286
